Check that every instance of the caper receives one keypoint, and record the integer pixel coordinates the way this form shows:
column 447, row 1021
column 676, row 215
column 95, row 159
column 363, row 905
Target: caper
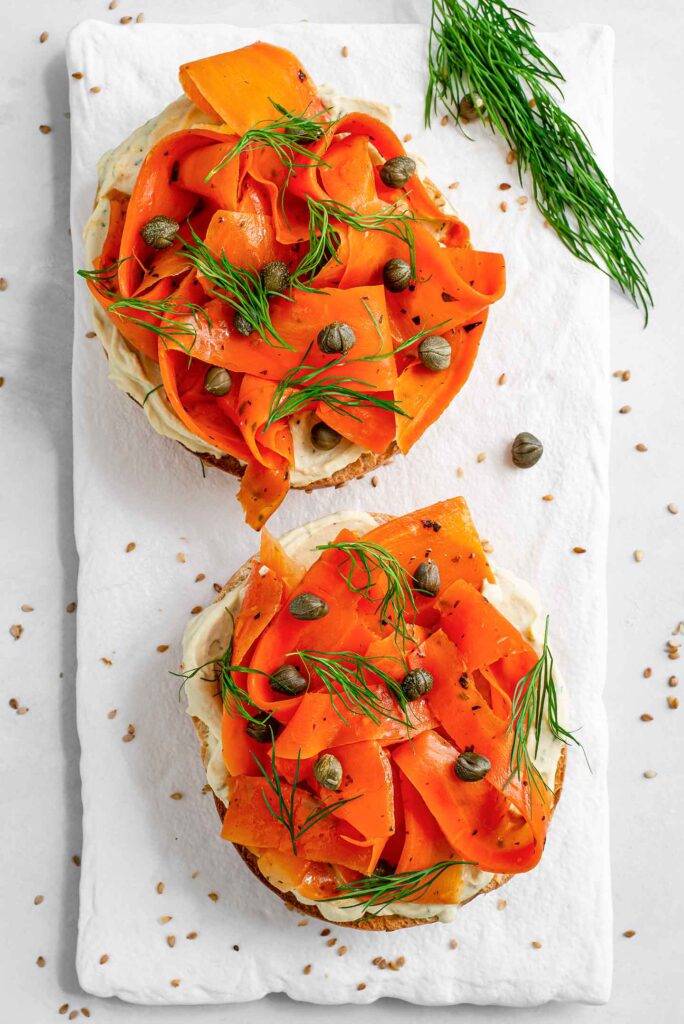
column 289, row 680
column 160, row 232
column 427, row 579
column 526, row 450
column 416, row 683
column 471, row 107
column 328, row 771
column 396, row 275
column 435, row 353
column 383, row 868
column 242, row 324
column 308, row 606
column 397, row 171
column 263, row 729
column 324, row 437
column 472, row 767
column 336, row 339
column 275, row 276
column 217, row 381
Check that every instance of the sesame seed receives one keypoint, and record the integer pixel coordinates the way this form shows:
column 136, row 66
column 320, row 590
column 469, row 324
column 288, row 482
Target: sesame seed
column 331, row 942
column 199, row 577
column 641, row 447
column 106, row 661
column 171, row 940
column 673, row 702
column 504, row 186
column 85, row 1011
column 522, row 200
column 73, row 1015
column 162, row 647
column 360, row 987
column 90, row 334
column 445, row 120
column 536, row 944
column 26, row 608
column 460, row 472
column 78, row 75
column 217, row 587
column 104, row 959
column 579, row 551
column 503, row 207
column 650, row 774
column 76, row 860
column 3, row 284
column 191, row 935
column 165, row 918
column 501, row 904
column 16, row 630
column 71, row 607
column 111, row 714
column 345, row 51
column 196, row 610
column 40, row 961
column 673, row 681
column 374, row 481
column 325, row 931
column 13, row 703
column 130, row 547
column 176, row 796
column 342, row 950
column 407, row 137
column 139, row 18
column 481, row 457
column 160, row 887
column 454, row 184
column 126, row 20
column 502, row 379
column 306, row 969
column 44, row 128
column 629, row 934
column 113, row 4
column 624, row 409
column 175, row 982
column 63, row 1008
column 673, row 655
column 22, row 711
column 96, row 88
column 453, row 944
column 638, row 556
column 648, row 672
column 547, row 497
column 646, row 717
column 673, row 509
column 37, row 900
column 303, row 922
column 180, row 557
column 213, row 896
column 43, row 37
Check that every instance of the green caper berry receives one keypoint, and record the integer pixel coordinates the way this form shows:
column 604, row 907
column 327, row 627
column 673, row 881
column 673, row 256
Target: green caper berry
column 242, row 324
column 416, row 683
column 526, row 450
column 396, row 275
column 217, row 381
column 159, row 232
column 289, row 680
column 470, row 108
column 324, row 437
column 328, row 771
column 336, row 339
column 472, row 767
column 397, row 171
column 263, row 729
column 435, row 353
column 308, row 606
column 383, row 868
column 427, row 579
column 275, row 276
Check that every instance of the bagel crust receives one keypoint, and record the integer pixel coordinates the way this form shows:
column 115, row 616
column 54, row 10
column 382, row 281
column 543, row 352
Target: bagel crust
column 385, row 923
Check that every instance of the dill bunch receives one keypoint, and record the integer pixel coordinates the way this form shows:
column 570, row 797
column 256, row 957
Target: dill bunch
column 483, row 53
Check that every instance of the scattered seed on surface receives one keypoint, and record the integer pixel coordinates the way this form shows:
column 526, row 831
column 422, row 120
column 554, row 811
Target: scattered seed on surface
column 130, row 547
column 16, row 630
column 213, row 896
column 13, row 703
column 503, row 207
column 331, row 942
column 165, row 918
column 40, row 961
column 162, row 648
column 629, row 934
column 579, row 551
column 3, row 284
column 45, row 129
column 374, row 481
column 76, row 860
column 502, row 379
column 407, row 137
column 360, row 987
column 106, row 661
column 510, row 156
column 460, row 472
column 345, row 51
column 85, row 1011
column 63, row 1008
column 342, row 950
column 104, row 959
column 501, row 904
column 673, row 702
column 217, row 587
column 37, row 900
column 646, row 717
column 522, row 200
column 325, row 931
column 536, row 944
column 547, row 497
column 113, row 4
column 673, row 681
column 196, row 610
column 175, row 982
column 180, row 557
column 648, row 672
column 236, row 948
column 481, row 457
column 454, row 184
column 160, row 887
column 303, row 922
column 641, row 447
column 78, row 75
column 126, row 20
column 139, row 18
column 307, row 969
column 625, row 409
column 199, row 577
column 445, row 120
column 672, row 508
column 71, row 607
column 73, row 1015
column 453, row 944
column 171, row 940
column 176, row 796
column 26, row 608
column 43, row 37
column 191, row 935
column 22, row 711
column 650, row 774
column 638, row 556
column 96, row 88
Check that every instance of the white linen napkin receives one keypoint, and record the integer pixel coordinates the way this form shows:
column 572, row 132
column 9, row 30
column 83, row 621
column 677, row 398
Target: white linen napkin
column 147, row 857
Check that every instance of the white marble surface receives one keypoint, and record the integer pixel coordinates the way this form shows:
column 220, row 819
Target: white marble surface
column 39, row 796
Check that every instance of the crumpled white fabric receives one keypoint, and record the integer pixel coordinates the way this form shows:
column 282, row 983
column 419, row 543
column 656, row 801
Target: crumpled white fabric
column 549, row 335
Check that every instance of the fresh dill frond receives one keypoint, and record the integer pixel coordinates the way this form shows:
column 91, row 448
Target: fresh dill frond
column 484, row 52
column 534, row 696
column 378, row 891
column 284, row 811
column 150, row 393
column 377, row 567
column 343, row 673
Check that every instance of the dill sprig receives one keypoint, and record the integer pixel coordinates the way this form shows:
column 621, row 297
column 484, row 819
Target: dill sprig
column 486, row 50
column 372, row 561
column 395, row 219
column 342, row 674
column 288, row 136
column 239, row 287
column 304, row 385
column 284, row 812
column 534, row 696
column 379, row 891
